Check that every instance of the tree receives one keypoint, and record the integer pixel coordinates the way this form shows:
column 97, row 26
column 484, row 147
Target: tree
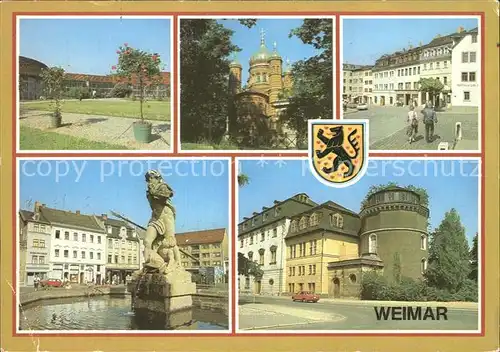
column 397, row 267
column 433, row 86
column 139, row 66
column 53, row 79
column 312, row 93
column 205, row 47
column 474, row 260
column 422, row 192
column 247, row 267
column 448, row 264
column 243, row 180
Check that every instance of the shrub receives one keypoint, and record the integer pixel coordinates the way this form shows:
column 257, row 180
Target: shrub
column 78, row 92
column 120, row 90
column 373, row 286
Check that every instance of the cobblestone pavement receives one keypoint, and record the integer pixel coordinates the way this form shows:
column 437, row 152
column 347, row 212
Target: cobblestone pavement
column 388, row 128
column 113, row 130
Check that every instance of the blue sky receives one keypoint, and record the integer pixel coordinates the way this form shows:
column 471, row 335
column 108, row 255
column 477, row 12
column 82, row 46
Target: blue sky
column 450, row 184
column 89, row 45
column 276, row 30
column 366, row 40
column 95, row 187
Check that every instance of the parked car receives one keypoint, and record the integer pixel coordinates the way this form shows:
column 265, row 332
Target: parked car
column 362, row 106
column 51, row 283
column 305, row 296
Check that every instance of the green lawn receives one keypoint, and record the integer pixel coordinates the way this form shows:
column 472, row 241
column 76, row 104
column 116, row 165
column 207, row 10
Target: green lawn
column 153, row 110
column 34, row 139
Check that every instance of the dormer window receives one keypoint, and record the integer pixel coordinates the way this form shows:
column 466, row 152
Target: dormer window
column 336, row 220
column 254, row 221
column 293, row 227
column 277, row 211
column 110, row 229
column 265, row 216
column 303, row 223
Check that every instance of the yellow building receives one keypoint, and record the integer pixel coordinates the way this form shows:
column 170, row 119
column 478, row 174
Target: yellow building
column 207, row 248
column 324, row 234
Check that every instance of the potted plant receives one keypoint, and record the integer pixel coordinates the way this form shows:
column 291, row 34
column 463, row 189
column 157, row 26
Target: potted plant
column 142, row 70
column 53, row 78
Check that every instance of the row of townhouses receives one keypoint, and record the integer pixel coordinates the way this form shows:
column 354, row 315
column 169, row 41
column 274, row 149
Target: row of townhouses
column 81, row 248
column 453, row 59
column 325, row 248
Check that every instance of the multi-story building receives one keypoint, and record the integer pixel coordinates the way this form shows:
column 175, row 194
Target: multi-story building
column 367, row 85
column 206, row 248
column 261, row 238
column 34, row 243
column 329, row 247
column 357, row 84
column 466, row 69
column 323, row 234
column 77, row 245
column 123, row 249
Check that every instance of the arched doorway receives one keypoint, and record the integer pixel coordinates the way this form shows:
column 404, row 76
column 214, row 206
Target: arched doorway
column 81, row 278
column 336, row 288
column 258, row 287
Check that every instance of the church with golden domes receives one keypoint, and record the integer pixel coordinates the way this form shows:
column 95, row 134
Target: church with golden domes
column 259, row 103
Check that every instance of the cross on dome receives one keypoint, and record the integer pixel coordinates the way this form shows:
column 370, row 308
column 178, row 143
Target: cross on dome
column 262, row 36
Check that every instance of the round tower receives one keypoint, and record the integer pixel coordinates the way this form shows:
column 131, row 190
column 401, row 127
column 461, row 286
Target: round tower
column 275, row 82
column 259, row 68
column 235, row 70
column 394, row 228
column 287, row 76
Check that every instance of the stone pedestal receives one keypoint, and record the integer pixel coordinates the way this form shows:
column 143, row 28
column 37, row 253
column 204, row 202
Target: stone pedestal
column 162, row 301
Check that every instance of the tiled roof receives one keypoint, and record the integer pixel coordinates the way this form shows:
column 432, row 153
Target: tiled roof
column 27, row 215
column 26, row 61
column 56, row 216
column 116, row 225
column 201, row 237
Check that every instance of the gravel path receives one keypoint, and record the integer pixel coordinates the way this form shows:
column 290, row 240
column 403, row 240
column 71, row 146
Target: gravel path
column 108, row 129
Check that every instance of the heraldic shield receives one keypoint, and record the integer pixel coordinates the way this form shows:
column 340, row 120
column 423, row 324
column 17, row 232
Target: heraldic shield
column 338, row 150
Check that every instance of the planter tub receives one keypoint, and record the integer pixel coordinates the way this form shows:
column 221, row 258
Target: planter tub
column 142, row 131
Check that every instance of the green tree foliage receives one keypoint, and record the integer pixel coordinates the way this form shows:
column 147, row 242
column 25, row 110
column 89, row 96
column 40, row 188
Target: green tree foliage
column 430, row 85
column 53, row 79
column 248, row 268
column 449, row 265
column 397, row 267
column 312, row 92
column 422, row 192
column 205, row 48
column 139, row 66
column 121, row 90
column 243, row 180
column 474, row 260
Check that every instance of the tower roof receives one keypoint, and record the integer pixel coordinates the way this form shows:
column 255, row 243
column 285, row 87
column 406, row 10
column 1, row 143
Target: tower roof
column 288, row 67
column 275, row 54
column 235, row 62
column 263, row 54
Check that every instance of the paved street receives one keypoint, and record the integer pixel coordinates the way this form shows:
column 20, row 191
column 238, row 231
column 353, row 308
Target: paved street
column 280, row 313
column 388, row 128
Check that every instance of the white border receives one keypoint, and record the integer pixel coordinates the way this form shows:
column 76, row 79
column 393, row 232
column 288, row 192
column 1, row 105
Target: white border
column 373, row 332
column 235, row 17
column 128, row 332
column 435, row 17
column 366, row 151
column 89, row 17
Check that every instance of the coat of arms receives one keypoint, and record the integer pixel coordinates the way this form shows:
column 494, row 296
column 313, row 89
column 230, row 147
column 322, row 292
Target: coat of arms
column 338, row 150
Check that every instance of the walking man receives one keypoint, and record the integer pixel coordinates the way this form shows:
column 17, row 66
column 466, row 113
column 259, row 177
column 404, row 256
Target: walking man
column 430, row 119
column 412, row 123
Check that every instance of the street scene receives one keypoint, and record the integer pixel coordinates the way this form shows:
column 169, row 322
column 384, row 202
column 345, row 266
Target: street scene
column 84, row 91
column 420, row 88
column 279, row 72
column 103, row 242
column 391, row 251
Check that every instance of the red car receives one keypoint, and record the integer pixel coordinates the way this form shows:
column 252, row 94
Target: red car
column 305, row 296
column 51, row 283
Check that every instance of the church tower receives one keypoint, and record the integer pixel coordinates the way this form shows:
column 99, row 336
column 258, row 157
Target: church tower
column 235, row 69
column 287, row 76
column 275, row 81
column 259, row 68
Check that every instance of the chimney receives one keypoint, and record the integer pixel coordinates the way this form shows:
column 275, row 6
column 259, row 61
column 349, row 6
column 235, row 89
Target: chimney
column 460, row 29
column 77, row 212
column 104, row 217
column 37, row 206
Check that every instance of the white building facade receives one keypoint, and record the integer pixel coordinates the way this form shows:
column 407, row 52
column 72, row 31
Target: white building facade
column 466, row 70
column 261, row 239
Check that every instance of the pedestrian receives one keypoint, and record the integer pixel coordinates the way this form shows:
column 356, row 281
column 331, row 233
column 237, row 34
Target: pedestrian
column 36, row 282
column 93, row 94
column 430, row 119
column 412, row 122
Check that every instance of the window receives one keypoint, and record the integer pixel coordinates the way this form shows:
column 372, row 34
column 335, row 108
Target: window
column 312, row 287
column 445, row 64
column 66, row 253
column 66, row 235
column 84, row 237
column 129, row 259
column 41, row 259
column 372, row 246
column 241, row 243
column 303, row 223
column 34, row 259
column 312, row 247
column 431, row 66
column 110, row 230
column 273, row 256
column 110, row 259
column 465, row 57
column 423, row 265
column 91, row 238
column 423, row 242
column 99, row 239
column 474, row 38
column 336, row 220
column 83, row 255
column 110, row 243
column 472, row 76
column 56, row 253
column 98, row 257
column 465, row 76
column 261, row 258
column 437, row 64
column 293, row 251
column 466, row 96
column 75, row 254
column 264, row 216
column 91, row 254
column 35, row 243
column 445, row 80
column 352, row 278
column 472, row 56
column 262, row 236
column 75, row 236
column 414, row 70
column 277, row 211
column 275, row 232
